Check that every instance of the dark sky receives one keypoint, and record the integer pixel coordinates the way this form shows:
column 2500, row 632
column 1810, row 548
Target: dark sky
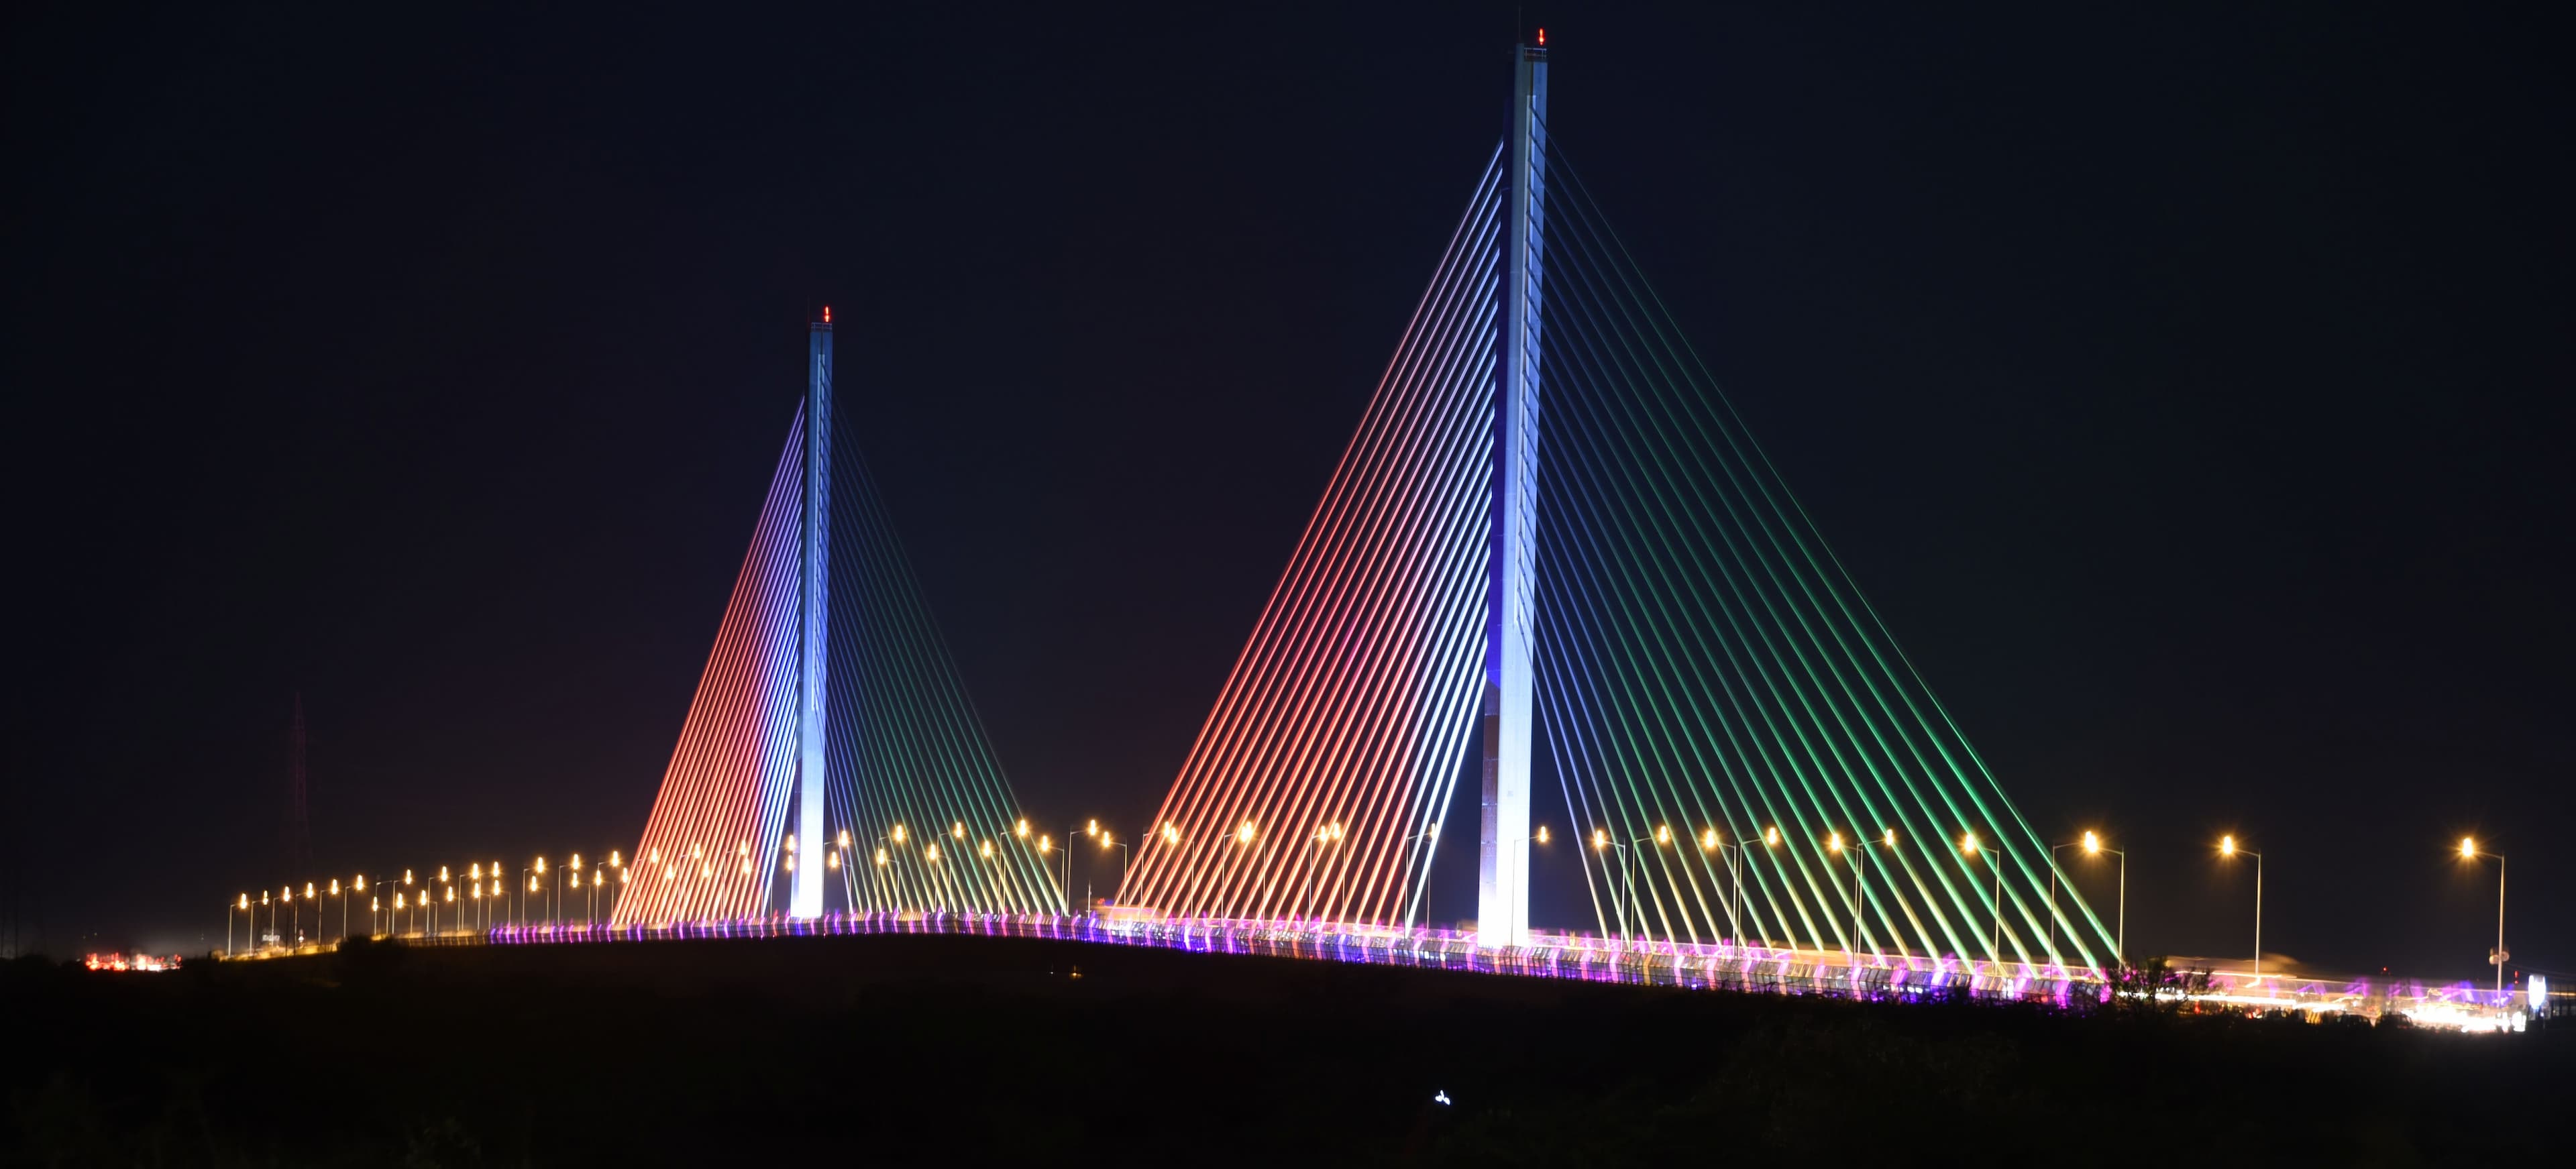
column 2188, row 389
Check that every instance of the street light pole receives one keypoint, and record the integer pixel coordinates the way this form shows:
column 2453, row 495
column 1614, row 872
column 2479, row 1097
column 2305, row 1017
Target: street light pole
column 1995, row 940
column 2469, row 852
column 1834, row 843
column 1618, row 904
column 1771, row 840
column 1708, row 840
column 1663, row 836
column 2227, row 848
column 1860, row 885
column 2120, row 938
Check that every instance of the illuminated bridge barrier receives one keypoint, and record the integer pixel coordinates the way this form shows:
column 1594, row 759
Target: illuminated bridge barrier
column 1697, row 967
column 1718, row 966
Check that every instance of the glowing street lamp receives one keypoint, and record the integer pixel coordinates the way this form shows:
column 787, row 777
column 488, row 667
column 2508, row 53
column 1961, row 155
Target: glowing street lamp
column 2469, row 852
column 2227, row 849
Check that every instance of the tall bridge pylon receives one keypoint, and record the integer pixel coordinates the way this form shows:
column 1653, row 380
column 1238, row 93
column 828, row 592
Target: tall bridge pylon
column 831, row 758
column 1552, row 529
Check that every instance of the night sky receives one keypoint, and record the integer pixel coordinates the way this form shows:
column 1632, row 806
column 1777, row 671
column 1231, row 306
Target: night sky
column 2187, row 389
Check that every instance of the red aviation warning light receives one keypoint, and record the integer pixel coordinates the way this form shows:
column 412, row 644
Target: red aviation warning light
column 827, row 314
column 1542, row 38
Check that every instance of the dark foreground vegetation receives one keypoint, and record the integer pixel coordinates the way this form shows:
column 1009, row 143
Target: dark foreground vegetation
column 939, row 1050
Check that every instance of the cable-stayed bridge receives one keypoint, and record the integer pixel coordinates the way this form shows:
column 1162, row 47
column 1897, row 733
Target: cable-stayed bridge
column 1555, row 597
column 1552, row 563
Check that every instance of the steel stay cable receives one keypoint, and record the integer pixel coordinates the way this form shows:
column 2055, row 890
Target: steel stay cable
column 714, row 711
column 1368, row 594
column 729, row 761
column 1369, row 590
column 1594, row 677
column 1150, row 863
column 1870, row 762
column 1290, row 662
column 1942, row 872
column 955, row 777
column 1771, row 712
column 1370, row 445
column 941, row 705
column 1848, row 785
column 1803, row 532
column 1834, row 741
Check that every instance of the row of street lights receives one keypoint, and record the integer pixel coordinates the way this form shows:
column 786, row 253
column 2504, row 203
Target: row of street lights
column 416, row 900
column 2091, row 843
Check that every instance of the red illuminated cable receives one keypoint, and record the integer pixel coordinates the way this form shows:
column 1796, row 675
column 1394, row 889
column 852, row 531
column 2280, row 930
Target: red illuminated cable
column 723, row 735
column 1266, row 639
column 680, row 801
column 1370, row 756
column 1151, row 847
column 1340, row 619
